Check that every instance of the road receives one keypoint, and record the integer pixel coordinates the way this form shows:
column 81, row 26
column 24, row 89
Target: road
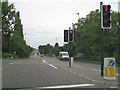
column 52, row 73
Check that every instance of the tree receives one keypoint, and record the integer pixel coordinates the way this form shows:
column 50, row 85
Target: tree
column 56, row 45
column 11, row 25
column 87, row 37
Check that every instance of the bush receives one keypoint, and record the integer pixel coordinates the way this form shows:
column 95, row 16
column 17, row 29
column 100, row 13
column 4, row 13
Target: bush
column 8, row 55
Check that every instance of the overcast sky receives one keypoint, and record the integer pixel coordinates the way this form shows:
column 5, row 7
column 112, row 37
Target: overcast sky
column 45, row 20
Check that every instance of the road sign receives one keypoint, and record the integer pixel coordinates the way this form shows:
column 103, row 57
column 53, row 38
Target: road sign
column 111, row 63
column 109, row 68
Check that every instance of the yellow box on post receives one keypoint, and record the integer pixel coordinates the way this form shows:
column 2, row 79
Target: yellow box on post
column 109, row 68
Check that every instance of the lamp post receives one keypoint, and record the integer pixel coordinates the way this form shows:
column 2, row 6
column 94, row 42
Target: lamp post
column 56, row 39
column 78, row 16
column 10, row 43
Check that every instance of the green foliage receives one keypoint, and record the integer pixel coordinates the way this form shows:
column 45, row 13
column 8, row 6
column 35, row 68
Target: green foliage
column 6, row 55
column 12, row 33
column 88, row 37
column 49, row 50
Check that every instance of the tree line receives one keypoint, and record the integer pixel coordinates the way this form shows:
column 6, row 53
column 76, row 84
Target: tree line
column 49, row 49
column 88, row 36
column 13, row 43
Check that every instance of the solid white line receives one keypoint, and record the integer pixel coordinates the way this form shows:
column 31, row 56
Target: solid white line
column 67, row 86
column 113, row 87
column 52, row 66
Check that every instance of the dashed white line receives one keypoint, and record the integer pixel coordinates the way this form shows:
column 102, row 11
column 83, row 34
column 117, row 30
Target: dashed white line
column 45, row 62
column 52, row 66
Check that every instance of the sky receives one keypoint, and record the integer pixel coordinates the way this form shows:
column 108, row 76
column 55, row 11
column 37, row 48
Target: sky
column 44, row 21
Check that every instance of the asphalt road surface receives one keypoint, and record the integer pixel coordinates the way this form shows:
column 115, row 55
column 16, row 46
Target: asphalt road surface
column 48, row 72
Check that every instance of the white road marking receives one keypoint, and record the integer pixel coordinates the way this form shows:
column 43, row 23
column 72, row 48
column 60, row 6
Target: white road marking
column 52, row 66
column 45, row 62
column 67, row 86
column 113, row 87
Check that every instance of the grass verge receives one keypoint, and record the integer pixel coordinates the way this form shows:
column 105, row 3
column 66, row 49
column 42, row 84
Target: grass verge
column 91, row 61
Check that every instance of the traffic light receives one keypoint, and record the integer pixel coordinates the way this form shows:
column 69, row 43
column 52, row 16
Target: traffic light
column 106, row 17
column 71, row 36
column 65, row 35
column 68, row 35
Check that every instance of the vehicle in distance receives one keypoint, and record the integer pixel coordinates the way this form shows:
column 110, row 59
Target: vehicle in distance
column 41, row 55
column 63, row 56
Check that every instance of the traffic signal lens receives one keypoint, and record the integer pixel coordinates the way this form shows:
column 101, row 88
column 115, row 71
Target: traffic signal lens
column 70, row 31
column 106, row 8
column 71, row 36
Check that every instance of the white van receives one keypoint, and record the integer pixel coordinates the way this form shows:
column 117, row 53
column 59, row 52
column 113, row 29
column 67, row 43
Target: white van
column 63, row 56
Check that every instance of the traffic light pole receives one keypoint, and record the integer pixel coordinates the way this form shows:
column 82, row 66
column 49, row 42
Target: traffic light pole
column 102, row 45
column 102, row 48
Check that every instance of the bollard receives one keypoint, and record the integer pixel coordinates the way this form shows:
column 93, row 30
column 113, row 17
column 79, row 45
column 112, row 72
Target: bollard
column 43, row 61
column 70, row 62
column 109, row 68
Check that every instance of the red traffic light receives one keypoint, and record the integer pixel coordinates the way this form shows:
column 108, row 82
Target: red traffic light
column 71, row 31
column 106, row 8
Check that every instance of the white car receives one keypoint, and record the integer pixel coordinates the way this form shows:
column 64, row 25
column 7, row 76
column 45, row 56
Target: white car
column 63, row 56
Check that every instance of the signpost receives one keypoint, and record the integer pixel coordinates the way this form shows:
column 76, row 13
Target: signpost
column 109, row 68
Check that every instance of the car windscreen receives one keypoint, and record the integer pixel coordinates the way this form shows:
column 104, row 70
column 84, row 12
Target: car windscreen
column 64, row 54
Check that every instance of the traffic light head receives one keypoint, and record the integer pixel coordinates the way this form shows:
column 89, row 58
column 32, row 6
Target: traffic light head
column 68, row 35
column 106, row 16
column 65, row 35
column 71, row 36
